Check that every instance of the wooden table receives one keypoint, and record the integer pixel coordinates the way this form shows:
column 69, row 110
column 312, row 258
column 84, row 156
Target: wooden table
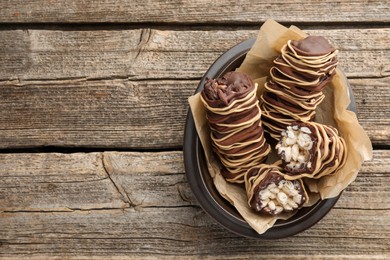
column 92, row 108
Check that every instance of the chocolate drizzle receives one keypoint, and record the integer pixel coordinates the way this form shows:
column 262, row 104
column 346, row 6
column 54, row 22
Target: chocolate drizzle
column 263, row 184
column 326, row 155
column 233, row 114
column 294, row 89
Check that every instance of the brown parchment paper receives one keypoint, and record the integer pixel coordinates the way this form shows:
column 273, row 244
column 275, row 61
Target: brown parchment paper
column 332, row 111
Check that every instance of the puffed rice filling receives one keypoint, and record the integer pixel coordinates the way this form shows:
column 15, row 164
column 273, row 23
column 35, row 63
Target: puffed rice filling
column 294, row 147
column 284, row 196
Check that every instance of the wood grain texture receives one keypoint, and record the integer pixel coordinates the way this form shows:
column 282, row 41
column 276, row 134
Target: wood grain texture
column 117, row 113
column 184, row 232
column 82, row 181
column 116, row 74
column 373, row 107
column 162, row 217
column 56, row 182
column 155, row 54
column 132, row 115
column 129, row 88
column 192, row 11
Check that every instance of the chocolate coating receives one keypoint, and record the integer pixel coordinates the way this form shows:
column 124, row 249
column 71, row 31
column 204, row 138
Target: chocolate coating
column 313, row 46
column 294, row 89
column 228, row 88
column 234, row 117
column 258, row 179
column 327, row 154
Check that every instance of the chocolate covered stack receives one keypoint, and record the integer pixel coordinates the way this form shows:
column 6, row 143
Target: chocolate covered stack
column 233, row 114
column 296, row 81
column 271, row 193
column 311, row 150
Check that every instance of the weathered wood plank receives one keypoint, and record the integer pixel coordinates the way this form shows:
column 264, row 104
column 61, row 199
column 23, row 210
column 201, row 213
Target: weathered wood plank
column 156, row 54
column 116, row 113
column 159, row 222
column 87, row 83
column 61, row 182
column 150, row 179
column 82, row 181
column 370, row 186
column 130, row 114
column 138, row 174
column 373, row 107
column 192, row 12
column 183, row 232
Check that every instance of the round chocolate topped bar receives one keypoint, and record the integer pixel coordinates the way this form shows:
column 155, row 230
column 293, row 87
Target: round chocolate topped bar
column 234, row 117
column 294, row 89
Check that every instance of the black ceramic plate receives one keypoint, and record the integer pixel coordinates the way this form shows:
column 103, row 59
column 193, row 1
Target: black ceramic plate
column 202, row 184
